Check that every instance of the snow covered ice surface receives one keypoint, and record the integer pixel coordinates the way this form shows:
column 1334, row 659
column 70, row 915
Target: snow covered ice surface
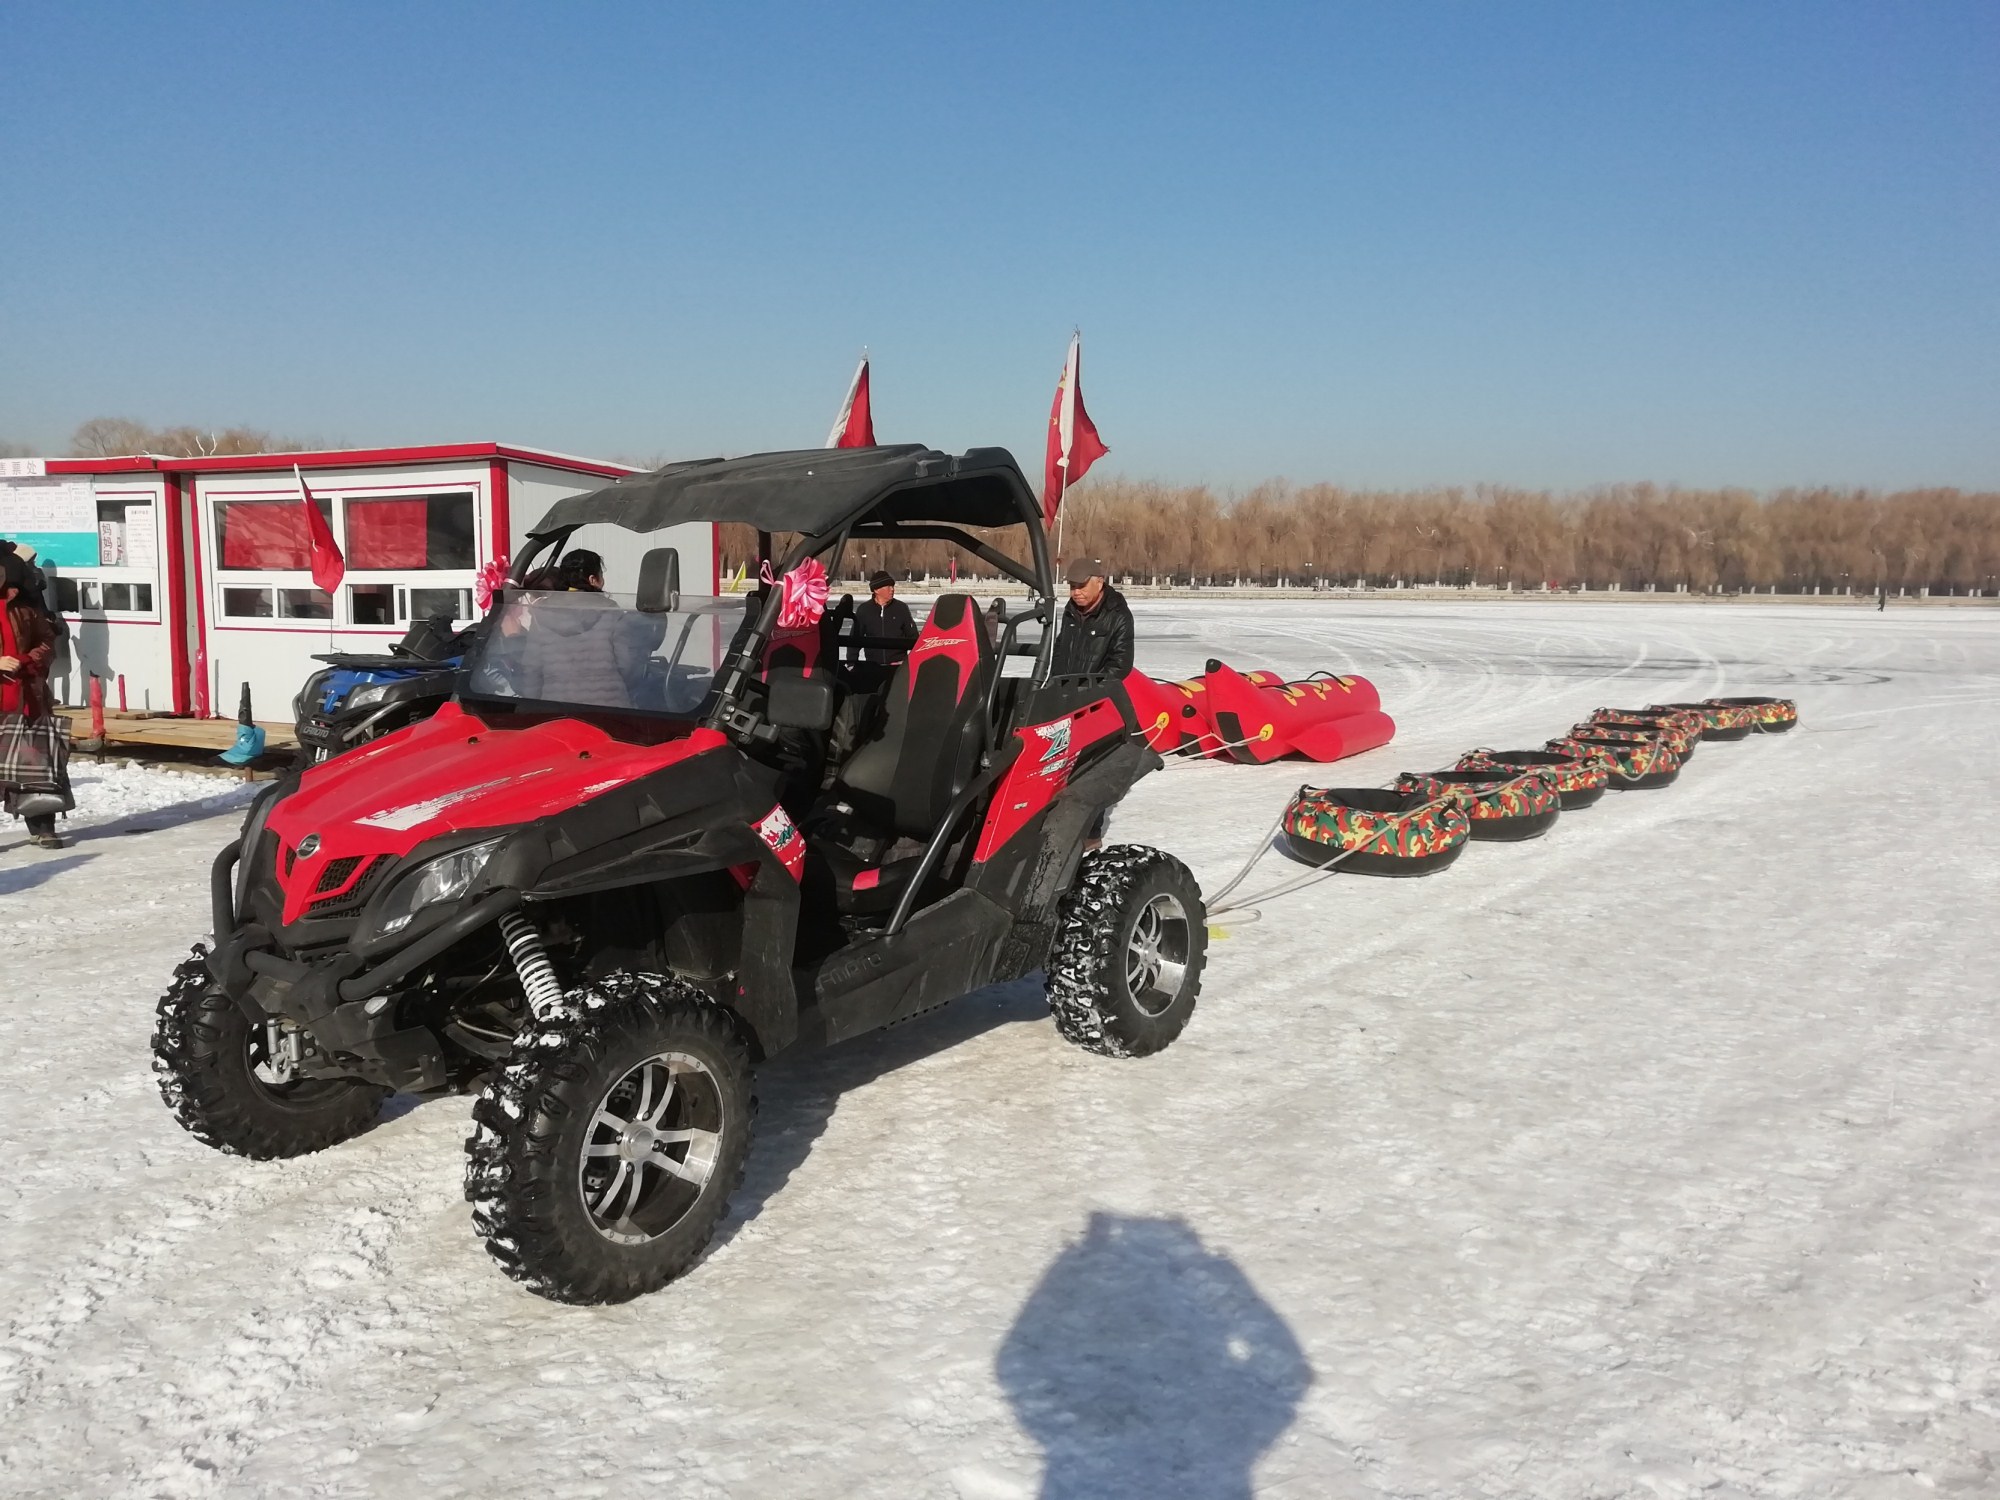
column 1654, row 1158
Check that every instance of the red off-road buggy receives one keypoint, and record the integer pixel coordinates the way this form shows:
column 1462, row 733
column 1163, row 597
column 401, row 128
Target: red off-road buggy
column 649, row 845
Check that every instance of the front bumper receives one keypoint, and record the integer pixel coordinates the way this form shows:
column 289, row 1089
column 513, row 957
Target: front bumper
column 338, row 994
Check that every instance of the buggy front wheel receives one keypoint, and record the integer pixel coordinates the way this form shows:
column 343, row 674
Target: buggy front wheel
column 605, row 1150
column 229, row 1088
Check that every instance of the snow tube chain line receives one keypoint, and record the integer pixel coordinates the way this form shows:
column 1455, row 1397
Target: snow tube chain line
column 1718, row 721
column 1682, row 730
column 1488, row 797
column 1380, row 832
column 1245, row 909
column 1615, row 747
column 1635, row 758
column 1579, row 780
column 1770, row 715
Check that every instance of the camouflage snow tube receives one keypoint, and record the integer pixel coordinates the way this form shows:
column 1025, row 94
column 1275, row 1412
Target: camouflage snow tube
column 1371, row 831
column 1580, row 779
column 1771, row 715
column 1718, row 721
column 1638, row 758
column 1682, row 729
column 1505, row 806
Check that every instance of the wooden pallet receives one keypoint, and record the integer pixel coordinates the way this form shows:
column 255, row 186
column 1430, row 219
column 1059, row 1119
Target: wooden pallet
column 184, row 744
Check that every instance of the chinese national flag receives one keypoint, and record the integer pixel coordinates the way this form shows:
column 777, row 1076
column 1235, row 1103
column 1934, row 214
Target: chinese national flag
column 1073, row 441
column 855, row 426
column 328, row 566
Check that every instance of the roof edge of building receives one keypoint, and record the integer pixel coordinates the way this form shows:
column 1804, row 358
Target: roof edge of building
column 334, row 458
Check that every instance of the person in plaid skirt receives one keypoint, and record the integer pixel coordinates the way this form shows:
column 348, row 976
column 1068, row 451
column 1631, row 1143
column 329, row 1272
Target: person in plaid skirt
column 33, row 779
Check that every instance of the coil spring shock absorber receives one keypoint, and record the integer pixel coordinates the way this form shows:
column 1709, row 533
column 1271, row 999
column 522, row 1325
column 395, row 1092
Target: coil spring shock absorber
column 531, row 962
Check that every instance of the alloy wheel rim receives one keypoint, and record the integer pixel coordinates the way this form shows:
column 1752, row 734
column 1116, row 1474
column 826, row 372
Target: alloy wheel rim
column 651, row 1147
column 1156, row 955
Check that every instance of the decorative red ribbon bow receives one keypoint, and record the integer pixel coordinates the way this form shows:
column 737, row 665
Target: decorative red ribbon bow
column 492, row 578
column 803, row 600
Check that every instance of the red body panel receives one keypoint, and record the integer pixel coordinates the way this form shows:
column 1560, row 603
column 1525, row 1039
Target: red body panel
column 447, row 774
column 1048, row 754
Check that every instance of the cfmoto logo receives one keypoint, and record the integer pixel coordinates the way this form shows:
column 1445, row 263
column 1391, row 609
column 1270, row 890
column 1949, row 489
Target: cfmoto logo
column 308, row 846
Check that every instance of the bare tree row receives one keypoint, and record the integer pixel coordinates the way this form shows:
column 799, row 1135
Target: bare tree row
column 110, row 437
column 1627, row 536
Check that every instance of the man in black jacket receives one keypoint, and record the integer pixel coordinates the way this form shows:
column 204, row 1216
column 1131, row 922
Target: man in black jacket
column 1096, row 636
column 1096, row 640
column 886, row 618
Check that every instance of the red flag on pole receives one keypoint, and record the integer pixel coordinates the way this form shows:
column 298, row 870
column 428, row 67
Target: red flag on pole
column 1073, row 441
column 328, row 566
column 855, row 426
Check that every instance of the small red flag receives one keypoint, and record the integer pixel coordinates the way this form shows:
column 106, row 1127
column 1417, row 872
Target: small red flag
column 855, row 426
column 1073, row 441
column 328, row 566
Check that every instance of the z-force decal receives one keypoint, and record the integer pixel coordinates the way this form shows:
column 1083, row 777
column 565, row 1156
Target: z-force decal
column 1057, row 754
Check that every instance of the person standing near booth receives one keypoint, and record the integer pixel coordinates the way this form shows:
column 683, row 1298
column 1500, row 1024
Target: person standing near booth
column 34, row 775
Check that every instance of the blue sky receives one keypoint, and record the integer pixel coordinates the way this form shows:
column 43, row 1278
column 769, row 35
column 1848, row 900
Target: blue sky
column 1546, row 244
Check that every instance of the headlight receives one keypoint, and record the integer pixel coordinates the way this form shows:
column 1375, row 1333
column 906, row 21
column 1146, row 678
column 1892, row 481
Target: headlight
column 361, row 697
column 445, row 878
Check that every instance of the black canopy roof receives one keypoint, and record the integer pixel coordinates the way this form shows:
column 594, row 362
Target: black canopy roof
column 812, row 490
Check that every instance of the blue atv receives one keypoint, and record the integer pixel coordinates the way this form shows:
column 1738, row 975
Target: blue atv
column 356, row 698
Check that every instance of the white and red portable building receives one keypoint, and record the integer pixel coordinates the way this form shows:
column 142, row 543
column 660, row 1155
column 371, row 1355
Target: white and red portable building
column 184, row 578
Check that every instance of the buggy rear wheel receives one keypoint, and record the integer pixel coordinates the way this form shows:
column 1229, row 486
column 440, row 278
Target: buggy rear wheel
column 1126, row 966
column 605, row 1150
column 218, row 1075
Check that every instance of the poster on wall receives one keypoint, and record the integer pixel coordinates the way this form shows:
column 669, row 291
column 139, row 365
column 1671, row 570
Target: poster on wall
column 140, row 535
column 58, row 517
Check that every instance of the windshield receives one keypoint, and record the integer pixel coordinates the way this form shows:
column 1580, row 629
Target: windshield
column 597, row 651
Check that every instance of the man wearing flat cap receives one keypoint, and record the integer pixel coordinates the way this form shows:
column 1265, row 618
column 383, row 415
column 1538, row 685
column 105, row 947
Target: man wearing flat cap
column 1096, row 635
column 884, row 617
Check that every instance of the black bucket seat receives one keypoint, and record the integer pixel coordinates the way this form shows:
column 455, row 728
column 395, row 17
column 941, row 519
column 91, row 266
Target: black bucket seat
column 923, row 751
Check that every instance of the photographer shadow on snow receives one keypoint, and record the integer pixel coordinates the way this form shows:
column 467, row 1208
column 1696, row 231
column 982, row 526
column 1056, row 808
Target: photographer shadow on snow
column 1146, row 1364
column 797, row 1096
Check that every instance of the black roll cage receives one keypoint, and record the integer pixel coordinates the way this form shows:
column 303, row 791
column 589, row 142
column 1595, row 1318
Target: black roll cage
column 728, row 713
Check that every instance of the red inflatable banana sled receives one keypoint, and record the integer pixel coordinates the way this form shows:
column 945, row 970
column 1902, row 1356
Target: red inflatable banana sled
column 1258, row 718
column 1254, row 717
column 1173, row 715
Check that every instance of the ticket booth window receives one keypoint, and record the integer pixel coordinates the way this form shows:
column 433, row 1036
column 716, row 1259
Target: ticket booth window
column 265, row 536
column 428, row 533
column 75, row 596
column 407, row 557
column 116, row 577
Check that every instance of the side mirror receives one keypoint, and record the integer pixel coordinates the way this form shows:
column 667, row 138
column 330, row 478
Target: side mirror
column 659, row 582
column 798, row 701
